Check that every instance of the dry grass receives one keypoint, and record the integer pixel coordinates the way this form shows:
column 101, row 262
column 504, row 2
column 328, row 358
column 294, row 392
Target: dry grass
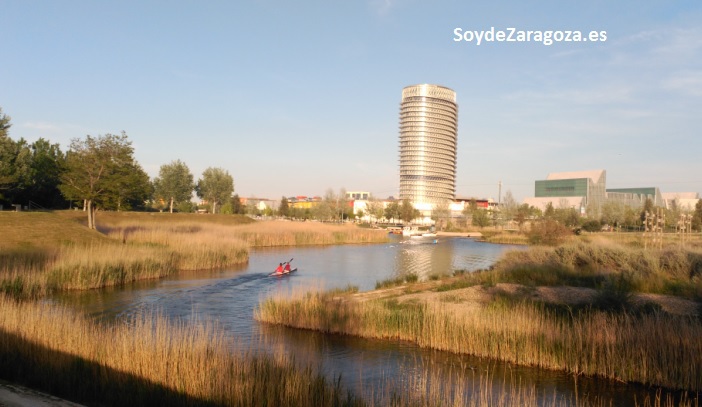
column 151, row 361
column 277, row 233
column 671, row 271
column 44, row 252
column 656, row 349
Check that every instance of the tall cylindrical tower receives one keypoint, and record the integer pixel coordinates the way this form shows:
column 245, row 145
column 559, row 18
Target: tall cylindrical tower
column 428, row 139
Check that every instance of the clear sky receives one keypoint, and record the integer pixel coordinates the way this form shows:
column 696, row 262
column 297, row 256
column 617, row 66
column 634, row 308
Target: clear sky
column 296, row 97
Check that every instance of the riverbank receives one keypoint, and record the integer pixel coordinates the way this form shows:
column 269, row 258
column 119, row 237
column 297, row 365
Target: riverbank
column 147, row 361
column 45, row 252
column 602, row 310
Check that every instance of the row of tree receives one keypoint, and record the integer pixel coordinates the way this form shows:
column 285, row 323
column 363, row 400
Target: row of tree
column 98, row 172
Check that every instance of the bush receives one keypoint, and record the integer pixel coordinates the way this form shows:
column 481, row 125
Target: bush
column 592, row 226
column 548, row 232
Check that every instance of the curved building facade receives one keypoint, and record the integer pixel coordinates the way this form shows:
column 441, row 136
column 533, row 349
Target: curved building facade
column 428, row 140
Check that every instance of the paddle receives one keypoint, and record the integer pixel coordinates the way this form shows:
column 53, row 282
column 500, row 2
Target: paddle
column 288, row 263
column 277, row 274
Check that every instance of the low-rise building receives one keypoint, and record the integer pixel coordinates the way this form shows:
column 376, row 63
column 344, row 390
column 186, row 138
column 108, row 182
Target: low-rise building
column 682, row 200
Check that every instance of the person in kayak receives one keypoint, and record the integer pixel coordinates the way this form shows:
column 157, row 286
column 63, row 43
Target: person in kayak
column 279, row 269
column 286, row 269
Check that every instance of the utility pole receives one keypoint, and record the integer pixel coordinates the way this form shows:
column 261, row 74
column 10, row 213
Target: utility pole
column 499, row 193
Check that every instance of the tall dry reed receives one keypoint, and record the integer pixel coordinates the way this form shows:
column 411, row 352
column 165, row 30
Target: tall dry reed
column 655, row 349
column 151, row 361
column 195, row 246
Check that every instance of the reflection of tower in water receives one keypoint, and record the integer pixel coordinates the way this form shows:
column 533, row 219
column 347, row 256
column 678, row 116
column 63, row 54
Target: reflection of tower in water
column 424, row 258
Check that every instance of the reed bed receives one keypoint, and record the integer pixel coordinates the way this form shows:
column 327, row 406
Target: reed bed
column 195, row 246
column 151, row 361
column 38, row 271
column 276, row 233
column 656, row 349
column 673, row 271
column 40, row 259
column 506, row 238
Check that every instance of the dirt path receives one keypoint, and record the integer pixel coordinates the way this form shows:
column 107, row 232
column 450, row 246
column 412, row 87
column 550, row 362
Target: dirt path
column 12, row 395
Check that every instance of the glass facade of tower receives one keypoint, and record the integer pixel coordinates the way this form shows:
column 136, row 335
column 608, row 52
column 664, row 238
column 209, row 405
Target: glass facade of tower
column 428, row 139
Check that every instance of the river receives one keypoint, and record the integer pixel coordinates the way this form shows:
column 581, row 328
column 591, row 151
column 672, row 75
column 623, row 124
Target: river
column 229, row 297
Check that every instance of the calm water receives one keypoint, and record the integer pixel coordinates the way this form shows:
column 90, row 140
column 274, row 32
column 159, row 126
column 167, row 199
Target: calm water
column 230, row 297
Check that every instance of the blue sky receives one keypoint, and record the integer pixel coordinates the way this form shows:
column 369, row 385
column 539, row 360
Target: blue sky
column 298, row 97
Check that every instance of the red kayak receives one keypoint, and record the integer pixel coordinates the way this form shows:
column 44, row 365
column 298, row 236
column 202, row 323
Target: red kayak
column 283, row 273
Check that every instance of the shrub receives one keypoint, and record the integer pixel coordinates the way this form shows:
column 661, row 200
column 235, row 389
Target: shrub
column 548, row 232
column 592, row 226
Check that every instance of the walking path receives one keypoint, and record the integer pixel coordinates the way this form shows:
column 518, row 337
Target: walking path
column 12, row 395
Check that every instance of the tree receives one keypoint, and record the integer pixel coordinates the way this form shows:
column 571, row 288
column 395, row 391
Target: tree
column 215, row 186
column 407, row 211
column 509, row 207
column 95, row 171
column 130, row 190
column 4, row 124
column 7, row 153
column 174, row 183
column 392, row 211
column 613, row 213
column 284, row 207
column 47, row 164
column 480, row 217
column 550, row 211
column 697, row 216
column 648, row 207
column 440, row 214
column 375, row 209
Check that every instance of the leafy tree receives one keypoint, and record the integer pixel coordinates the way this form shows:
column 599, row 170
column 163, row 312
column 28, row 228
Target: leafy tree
column 7, row 153
column 550, row 212
column 96, row 168
column 323, row 210
column 284, row 207
column 673, row 213
column 648, row 207
column 4, row 124
column 524, row 213
column 697, row 216
column 567, row 216
column 47, row 164
column 29, row 172
column 392, row 211
column 407, row 211
column 174, row 183
column 375, row 209
column 215, row 186
column 131, row 189
column 480, row 217
column 613, row 213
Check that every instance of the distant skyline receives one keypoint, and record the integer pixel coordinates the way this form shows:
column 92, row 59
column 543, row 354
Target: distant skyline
column 296, row 98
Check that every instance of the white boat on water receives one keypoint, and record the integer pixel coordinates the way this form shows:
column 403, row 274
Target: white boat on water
column 411, row 231
column 424, row 236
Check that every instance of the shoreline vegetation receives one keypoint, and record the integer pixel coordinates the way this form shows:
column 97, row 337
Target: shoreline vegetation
column 597, row 309
column 147, row 361
column 151, row 360
column 49, row 252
